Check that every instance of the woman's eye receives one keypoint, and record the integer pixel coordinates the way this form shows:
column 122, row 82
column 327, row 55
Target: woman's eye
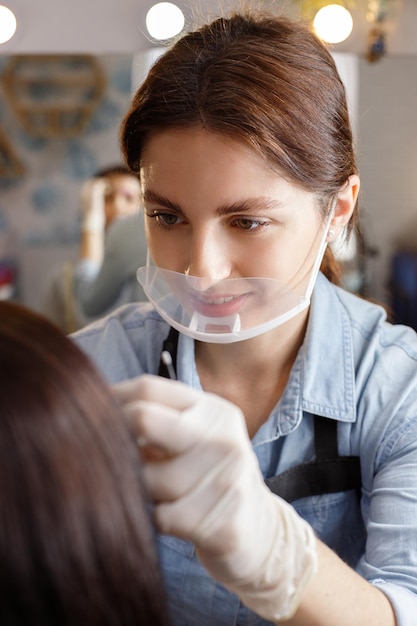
column 164, row 219
column 247, row 224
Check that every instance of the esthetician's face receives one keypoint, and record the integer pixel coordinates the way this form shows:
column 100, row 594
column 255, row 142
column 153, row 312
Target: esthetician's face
column 214, row 209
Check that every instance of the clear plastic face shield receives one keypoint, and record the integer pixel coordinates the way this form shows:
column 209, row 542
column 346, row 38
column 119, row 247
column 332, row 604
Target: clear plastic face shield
column 232, row 309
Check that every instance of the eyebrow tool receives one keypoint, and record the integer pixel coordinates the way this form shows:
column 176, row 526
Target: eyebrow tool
column 167, row 360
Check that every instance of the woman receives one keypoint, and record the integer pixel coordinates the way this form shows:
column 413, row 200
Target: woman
column 112, row 247
column 241, row 140
column 76, row 544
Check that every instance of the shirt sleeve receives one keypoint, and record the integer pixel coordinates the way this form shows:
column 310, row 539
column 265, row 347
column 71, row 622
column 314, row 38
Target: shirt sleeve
column 390, row 560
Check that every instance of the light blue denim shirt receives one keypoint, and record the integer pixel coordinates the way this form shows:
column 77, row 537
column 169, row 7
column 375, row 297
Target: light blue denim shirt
column 353, row 367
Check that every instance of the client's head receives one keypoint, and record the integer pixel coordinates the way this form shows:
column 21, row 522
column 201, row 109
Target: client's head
column 76, row 542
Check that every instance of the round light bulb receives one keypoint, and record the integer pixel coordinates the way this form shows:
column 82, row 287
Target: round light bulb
column 7, row 24
column 164, row 20
column 333, row 23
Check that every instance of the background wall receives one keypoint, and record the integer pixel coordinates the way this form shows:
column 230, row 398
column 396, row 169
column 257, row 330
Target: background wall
column 387, row 151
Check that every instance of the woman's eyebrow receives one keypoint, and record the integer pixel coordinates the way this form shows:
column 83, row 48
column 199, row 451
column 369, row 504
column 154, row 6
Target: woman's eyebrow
column 249, row 205
column 155, row 198
column 240, row 206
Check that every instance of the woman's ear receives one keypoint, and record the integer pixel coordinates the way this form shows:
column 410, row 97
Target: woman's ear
column 345, row 204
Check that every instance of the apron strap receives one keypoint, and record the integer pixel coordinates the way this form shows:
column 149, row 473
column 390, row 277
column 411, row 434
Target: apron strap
column 170, row 345
column 328, row 473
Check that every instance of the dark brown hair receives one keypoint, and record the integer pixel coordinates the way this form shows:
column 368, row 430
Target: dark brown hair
column 264, row 80
column 76, row 541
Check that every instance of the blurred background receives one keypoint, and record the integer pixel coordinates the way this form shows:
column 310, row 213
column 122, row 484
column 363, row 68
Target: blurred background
column 68, row 73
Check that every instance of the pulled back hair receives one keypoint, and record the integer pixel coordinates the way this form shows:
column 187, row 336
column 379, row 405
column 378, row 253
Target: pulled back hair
column 76, row 542
column 267, row 81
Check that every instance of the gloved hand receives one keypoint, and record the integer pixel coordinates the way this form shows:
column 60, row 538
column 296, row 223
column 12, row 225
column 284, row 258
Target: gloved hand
column 93, row 205
column 204, row 478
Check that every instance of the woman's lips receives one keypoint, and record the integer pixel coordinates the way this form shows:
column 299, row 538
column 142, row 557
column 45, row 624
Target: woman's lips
column 216, row 305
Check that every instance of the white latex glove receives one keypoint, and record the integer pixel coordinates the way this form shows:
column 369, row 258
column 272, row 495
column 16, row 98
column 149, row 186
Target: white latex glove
column 204, row 478
column 93, row 205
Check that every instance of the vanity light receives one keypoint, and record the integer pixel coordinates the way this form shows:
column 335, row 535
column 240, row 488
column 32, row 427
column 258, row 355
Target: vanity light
column 7, row 24
column 164, row 21
column 333, row 23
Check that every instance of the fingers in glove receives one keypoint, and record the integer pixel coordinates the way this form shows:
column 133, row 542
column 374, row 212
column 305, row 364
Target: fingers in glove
column 156, row 389
column 202, row 465
column 191, row 497
column 161, row 426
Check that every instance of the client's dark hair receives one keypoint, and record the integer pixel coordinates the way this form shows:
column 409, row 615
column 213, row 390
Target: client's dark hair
column 76, row 541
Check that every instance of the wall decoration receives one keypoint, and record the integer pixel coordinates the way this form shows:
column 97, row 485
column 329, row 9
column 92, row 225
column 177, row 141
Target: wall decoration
column 10, row 164
column 54, row 96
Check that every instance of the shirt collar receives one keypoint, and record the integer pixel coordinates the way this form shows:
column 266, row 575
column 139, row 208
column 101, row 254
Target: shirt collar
column 322, row 380
column 327, row 361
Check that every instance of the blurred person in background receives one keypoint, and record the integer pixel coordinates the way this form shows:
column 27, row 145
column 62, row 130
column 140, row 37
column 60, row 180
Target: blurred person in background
column 112, row 247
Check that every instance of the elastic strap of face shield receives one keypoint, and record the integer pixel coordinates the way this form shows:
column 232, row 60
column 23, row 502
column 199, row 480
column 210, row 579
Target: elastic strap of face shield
column 322, row 249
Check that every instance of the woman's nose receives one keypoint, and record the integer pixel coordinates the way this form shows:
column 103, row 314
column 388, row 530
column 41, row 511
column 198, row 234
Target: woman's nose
column 209, row 257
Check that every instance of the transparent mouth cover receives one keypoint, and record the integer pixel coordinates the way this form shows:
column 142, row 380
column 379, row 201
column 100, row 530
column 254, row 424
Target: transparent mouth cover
column 231, row 309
